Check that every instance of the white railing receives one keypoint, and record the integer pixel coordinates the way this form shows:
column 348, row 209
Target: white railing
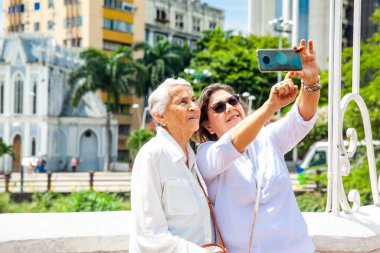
column 338, row 158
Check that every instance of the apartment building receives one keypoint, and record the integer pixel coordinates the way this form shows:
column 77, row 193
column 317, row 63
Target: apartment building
column 81, row 24
column 180, row 21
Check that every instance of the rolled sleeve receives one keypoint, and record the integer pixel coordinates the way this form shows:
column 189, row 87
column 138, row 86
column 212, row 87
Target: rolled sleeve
column 290, row 130
column 215, row 157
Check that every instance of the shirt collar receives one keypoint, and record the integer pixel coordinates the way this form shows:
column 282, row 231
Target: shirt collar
column 175, row 150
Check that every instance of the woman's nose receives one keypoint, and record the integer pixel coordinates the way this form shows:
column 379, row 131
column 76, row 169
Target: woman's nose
column 193, row 106
column 229, row 107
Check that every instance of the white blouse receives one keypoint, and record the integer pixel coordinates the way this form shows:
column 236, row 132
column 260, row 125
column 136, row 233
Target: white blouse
column 231, row 179
column 170, row 212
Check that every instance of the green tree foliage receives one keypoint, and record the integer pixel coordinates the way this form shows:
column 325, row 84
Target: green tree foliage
column 5, row 149
column 136, row 140
column 163, row 60
column 113, row 74
column 369, row 82
column 232, row 60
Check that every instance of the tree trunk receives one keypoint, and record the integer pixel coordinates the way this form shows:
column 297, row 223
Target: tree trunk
column 108, row 141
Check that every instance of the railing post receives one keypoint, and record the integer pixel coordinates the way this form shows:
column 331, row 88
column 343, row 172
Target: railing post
column 21, row 178
column 7, row 179
column 91, row 180
column 49, row 181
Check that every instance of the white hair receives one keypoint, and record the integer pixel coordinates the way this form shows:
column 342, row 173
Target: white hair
column 159, row 98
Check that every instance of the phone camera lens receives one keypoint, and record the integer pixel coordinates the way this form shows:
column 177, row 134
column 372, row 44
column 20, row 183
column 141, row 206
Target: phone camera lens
column 266, row 59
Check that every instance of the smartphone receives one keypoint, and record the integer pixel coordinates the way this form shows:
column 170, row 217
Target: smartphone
column 272, row 60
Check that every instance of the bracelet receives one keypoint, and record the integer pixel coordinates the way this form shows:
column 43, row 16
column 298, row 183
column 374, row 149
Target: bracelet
column 312, row 88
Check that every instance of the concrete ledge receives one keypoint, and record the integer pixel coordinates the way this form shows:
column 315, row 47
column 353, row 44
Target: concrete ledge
column 65, row 232
column 108, row 232
column 359, row 232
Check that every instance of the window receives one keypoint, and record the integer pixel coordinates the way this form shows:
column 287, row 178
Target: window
column 33, row 147
column 212, row 25
column 50, row 4
column 161, row 15
column 160, row 36
column 50, row 24
column 72, row 22
column 116, row 25
column 18, row 96
column 112, row 46
column 37, row 6
column 34, row 99
column 124, row 129
column 36, row 26
column 1, row 96
column 196, row 25
column 179, row 41
column 179, row 21
column 72, row 2
column 22, row 8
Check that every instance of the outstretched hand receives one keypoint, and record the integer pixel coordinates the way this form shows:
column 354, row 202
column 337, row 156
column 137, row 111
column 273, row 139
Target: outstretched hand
column 309, row 72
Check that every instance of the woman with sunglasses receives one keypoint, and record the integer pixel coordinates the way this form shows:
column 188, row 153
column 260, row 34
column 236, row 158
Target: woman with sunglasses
column 242, row 162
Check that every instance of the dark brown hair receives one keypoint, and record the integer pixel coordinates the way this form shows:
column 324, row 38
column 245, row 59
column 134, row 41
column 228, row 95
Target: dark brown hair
column 202, row 134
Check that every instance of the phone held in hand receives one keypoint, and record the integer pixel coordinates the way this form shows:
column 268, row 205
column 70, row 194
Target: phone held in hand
column 272, row 60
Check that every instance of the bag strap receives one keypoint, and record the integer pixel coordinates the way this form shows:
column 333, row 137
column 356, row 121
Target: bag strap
column 256, row 207
column 209, row 202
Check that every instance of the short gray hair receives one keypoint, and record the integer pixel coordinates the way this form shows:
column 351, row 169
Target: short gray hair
column 159, row 98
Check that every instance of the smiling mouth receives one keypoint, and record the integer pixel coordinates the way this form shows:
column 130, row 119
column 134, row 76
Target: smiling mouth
column 235, row 116
column 194, row 117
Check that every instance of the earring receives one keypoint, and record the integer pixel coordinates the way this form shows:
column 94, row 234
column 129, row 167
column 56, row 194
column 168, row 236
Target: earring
column 212, row 132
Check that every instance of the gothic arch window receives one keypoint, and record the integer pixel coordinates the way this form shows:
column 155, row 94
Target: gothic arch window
column 33, row 147
column 18, row 95
column 34, row 96
column 1, row 95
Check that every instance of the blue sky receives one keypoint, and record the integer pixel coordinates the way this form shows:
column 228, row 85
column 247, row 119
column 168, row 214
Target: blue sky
column 236, row 13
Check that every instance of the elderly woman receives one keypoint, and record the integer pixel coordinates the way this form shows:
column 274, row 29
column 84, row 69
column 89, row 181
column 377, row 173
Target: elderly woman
column 243, row 164
column 170, row 212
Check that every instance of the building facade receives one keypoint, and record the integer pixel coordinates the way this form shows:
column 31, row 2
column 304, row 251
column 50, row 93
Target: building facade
column 35, row 112
column 81, row 24
column 310, row 21
column 180, row 21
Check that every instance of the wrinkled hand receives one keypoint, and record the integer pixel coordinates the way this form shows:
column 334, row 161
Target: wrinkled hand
column 309, row 72
column 283, row 93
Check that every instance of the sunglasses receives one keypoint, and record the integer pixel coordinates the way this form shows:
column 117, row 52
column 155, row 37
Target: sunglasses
column 221, row 106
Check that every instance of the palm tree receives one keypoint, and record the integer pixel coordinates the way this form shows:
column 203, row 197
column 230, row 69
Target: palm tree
column 5, row 150
column 136, row 140
column 162, row 60
column 115, row 74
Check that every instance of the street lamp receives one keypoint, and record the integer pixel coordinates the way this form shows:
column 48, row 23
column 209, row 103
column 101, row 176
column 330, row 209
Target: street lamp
column 199, row 76
column 250, row 99
column 143, row 118
column 281, row 25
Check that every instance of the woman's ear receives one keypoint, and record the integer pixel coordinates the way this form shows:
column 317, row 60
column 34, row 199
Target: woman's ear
column 206, row 125
column 159, row 119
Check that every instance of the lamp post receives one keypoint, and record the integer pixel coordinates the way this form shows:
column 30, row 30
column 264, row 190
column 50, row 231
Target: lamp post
column 281, row 25
column 250, row 99
column 199, row 76
column 143, row 118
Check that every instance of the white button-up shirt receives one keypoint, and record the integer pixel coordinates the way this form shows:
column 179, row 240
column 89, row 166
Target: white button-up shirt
column 170, row 212
column 231, row 178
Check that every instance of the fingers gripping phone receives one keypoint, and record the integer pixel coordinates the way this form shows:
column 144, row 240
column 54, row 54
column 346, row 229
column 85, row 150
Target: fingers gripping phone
column 272, row 60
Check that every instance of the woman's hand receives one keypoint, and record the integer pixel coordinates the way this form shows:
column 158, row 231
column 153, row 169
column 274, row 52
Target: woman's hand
column 309, row 72
column 283, row 93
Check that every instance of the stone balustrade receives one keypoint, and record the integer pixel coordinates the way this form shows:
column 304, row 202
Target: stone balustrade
column 108, row 232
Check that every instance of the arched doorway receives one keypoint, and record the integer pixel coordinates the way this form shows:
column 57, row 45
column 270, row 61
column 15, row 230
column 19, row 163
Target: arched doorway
column 88, row 155
column 16, row 162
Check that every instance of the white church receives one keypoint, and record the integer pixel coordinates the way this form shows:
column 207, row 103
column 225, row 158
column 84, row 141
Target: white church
column 35, row 113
